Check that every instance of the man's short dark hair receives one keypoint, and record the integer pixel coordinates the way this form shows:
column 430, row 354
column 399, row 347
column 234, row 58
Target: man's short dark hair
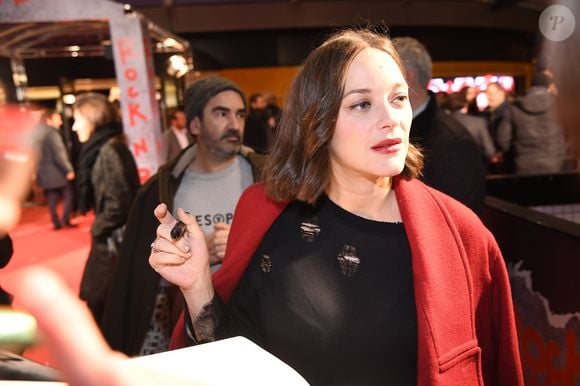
column 201, row 91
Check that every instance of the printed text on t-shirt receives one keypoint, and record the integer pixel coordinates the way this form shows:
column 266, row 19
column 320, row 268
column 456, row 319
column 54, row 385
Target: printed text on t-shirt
column 211, row 219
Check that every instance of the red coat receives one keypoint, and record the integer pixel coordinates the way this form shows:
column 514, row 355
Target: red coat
column 466, row 329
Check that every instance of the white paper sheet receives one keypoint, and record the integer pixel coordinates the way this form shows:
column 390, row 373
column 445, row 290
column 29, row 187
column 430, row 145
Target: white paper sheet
column 235, row 361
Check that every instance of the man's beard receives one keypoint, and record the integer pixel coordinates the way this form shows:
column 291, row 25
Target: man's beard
column 222, row 148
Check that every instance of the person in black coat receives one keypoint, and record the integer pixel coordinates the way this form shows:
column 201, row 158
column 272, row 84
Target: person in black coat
column 107, row 183
column 257, row 133
column 453, row 163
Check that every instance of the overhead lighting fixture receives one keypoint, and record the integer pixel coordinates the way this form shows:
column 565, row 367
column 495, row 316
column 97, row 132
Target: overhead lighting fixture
column 170, row 42
column 177, row 66
column 73, row 48
column 69, row 99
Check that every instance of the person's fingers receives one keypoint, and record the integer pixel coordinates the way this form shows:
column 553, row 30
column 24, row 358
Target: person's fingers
column 221, row 226
column 222, row 236
column 221, row 239
column 165, row 247
column 163, row 215
column 161, row 260
column 165, row 243
column 220, row 252
column 192, row 226
column 10, row 209
column 221, row 247
column 217, row 249
column 56, row 309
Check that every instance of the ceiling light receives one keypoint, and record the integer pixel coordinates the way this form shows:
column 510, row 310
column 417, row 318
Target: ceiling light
column 177, row 66
column 69, row 99
column 172, row 43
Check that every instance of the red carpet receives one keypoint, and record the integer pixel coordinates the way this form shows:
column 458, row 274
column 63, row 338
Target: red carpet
column 65, row 251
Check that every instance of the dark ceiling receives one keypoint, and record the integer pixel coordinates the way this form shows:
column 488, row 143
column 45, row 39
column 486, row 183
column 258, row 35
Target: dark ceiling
column 250, row 33
column 189, row 16
column 246, row 33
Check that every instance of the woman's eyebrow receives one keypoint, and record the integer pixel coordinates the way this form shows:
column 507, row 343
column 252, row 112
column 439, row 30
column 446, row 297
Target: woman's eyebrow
column 367, row 91
column 358, row 91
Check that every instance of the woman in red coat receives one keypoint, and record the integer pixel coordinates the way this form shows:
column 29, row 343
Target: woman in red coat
column 342, row 263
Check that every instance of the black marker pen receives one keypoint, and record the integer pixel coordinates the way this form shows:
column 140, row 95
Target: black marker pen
column 177, row 231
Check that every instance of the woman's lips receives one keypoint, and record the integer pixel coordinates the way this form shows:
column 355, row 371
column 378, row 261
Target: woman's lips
column 388, row 146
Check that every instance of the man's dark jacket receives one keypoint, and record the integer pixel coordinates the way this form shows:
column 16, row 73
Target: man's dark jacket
column 132, row 298
column 453, row 163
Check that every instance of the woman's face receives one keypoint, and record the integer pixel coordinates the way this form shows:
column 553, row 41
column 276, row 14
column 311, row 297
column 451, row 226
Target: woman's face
column 371, row 137
column 82, row 126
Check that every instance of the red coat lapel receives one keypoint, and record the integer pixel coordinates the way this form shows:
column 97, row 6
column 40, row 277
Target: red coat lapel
column 443, row 285
column 258, row 213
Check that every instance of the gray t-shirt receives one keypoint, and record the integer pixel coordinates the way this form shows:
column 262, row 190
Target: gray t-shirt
column 212, row 197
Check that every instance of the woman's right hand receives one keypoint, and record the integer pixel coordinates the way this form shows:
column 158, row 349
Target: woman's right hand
column 185, row 261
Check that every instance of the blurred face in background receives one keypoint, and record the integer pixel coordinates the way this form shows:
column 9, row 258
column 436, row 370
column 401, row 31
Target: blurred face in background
column 82, row 126
column 55, row 120
column 471, row 94
column 495, row 96
column 179, row 121
column 259, row 104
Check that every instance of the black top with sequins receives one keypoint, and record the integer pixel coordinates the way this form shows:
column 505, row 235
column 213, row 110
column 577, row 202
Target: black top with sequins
column 331, row 294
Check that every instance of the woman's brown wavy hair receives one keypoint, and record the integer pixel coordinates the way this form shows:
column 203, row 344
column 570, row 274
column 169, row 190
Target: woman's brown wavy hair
column 298, row 167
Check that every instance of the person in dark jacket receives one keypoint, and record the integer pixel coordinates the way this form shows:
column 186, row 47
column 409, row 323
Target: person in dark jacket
column 54, row 171
column 498, row 105
column 207, row 178
column 107, row 183
column 452, row 161
column 257, row 133
column 475, row 125
column 531, row 130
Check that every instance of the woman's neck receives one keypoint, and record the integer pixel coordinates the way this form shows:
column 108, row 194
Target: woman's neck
column 373, row 200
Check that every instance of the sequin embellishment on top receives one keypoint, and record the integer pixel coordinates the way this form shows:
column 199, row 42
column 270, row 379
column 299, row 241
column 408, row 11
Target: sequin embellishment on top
column 266, row 263
column 348, row 260
column 309, row 229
